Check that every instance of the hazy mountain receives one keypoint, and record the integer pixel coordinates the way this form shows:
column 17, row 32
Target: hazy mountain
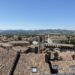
column 30, row 32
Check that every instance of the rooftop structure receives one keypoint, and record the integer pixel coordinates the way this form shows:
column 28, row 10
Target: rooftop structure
column 6, row 62
column 27, row 61
column 60, row 45
column 64, row 67
column 19, row 43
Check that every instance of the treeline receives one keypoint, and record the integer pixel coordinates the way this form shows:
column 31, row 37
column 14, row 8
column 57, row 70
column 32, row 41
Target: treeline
column 70, row 40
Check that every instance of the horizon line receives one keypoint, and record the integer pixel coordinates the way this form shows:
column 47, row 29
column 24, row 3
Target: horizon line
column 38, row 29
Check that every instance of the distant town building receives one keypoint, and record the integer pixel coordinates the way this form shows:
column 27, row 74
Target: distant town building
column 19, row 43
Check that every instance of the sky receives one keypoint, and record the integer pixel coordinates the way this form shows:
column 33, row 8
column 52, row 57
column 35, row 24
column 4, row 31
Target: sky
column 37, row 14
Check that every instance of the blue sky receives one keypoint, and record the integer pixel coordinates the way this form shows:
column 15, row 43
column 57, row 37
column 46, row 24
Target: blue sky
column 37, row 14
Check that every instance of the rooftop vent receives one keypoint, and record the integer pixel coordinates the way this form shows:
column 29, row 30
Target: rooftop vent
column 34, row 69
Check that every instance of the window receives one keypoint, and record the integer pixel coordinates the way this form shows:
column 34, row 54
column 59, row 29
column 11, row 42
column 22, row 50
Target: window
column 34, row 69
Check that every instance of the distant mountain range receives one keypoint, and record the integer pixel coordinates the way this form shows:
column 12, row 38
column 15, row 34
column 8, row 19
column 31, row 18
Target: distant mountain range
column 30, row 32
